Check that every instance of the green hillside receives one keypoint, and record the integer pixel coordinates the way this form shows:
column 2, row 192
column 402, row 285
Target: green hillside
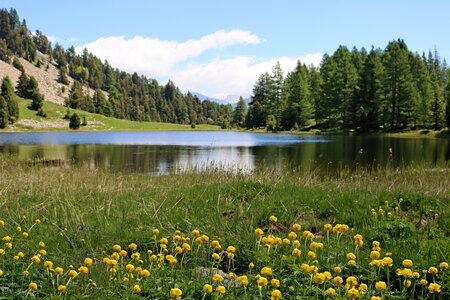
column 29, row 121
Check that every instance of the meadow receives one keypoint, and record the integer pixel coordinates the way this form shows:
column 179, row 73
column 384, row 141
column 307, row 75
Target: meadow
column 71, row 232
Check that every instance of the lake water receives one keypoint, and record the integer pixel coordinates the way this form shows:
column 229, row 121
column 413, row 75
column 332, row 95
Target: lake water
column 165, row 152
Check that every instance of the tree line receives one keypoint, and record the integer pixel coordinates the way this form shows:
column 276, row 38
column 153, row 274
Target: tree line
column 390, row 89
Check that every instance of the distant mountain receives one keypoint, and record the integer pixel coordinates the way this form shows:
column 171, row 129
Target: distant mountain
column 230, row 99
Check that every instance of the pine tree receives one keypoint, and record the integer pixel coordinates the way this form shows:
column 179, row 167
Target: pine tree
column 37, row 100
column 447, row 108
column 4, row 115
column 74, row 122
column 400, row 90
column 239, row 113
column 298, row 108
column 9, row 96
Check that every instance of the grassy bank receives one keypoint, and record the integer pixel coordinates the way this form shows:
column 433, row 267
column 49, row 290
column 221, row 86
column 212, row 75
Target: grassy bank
column 84, row 212
column 29, row 121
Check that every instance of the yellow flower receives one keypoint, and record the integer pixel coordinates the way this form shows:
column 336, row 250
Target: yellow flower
column 243, row 280
column 328, row 227
column 207, row 288
column 48, row 264
column 266, row 271
column 407, row 263
column 215, row 256
column 443, row 265
column 61, row 288
column 230, row 255
column 117, row 248
column 353, row 293
column 296, row 252
column 351, row 262
column 20, row 254
column 88, row 262
column 41, row 244
column 132, row 246
column 7, row 238
column 251, row 265
column 374, row 254
column 25, row 234
column 216, row 244
column 286, row 241
column 217, row 278
column 18, row 228
column 423, row 282
column 319, row 278
column 36, row 259
column 363, row 287
column 1, row 273
column 337, row 270
column 432, row 270
column 145, row 273
column 275, row 282
column 137, row 288
column 312, row 255
column 375, row 298
column 351, row 280
column 338, row 280
column 262, row 281
column 380, row 285
column 221, row 289
column 296, row 243
column 83, row 270
column 358, row 240
column 273, row 219
column 407, row 283
column 58, row 271
column 33, row 286
column 292, row 235
column 258, row 231
column 351, row 256
column 123, row 253
column 434, row 288
column 37, row 221
column 195, row 232
column 231, row 249
column 16, row 258
column 2, row 223
column 331, row 292
column 175, row 293
column 275, row 295
column 296, row 227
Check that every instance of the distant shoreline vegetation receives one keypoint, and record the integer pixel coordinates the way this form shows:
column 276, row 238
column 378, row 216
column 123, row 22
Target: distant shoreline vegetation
column 356, row 91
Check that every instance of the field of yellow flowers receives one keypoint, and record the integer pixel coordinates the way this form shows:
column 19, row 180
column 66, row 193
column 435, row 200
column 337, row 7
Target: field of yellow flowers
column 98, row 235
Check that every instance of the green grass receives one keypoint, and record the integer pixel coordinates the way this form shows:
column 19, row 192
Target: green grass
column 57, row 112
column 84, row 212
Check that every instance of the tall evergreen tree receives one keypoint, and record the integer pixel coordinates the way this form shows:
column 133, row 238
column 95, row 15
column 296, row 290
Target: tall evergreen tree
column 4, row 115
column 240, row 113
column 298, row 108
column 400, row 90
column 7, row 91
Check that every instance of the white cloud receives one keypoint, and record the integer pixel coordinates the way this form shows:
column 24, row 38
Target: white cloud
column 52, row 38
column 72, row 39
column 154, row 57
column 218, row 78
column 234, row 76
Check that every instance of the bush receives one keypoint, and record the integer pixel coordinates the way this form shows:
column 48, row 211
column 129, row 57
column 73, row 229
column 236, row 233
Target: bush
column 74, row 122
column 18, row 65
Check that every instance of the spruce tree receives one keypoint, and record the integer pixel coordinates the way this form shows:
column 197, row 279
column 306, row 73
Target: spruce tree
column 37, row 100
column 74, row 122
column 447, row 108
column 4, row 115
column 9, row 96
column 239, row 113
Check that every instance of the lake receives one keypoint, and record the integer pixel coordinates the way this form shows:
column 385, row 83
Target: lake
column 165, row 152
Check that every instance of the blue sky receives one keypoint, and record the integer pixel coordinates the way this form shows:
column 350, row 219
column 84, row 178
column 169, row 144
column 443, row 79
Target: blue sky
column 232, row 42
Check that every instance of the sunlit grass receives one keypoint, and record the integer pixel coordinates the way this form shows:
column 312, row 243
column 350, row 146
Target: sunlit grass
column 83, row 212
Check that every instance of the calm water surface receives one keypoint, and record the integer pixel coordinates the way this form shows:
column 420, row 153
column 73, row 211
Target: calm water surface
column 164, row 152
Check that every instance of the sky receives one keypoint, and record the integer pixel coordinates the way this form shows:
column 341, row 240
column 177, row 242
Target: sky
column 219, row 48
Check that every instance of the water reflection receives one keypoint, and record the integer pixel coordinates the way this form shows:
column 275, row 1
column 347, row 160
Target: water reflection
column 304, row 153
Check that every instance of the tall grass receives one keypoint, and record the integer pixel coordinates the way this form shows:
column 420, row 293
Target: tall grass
column 85, row 211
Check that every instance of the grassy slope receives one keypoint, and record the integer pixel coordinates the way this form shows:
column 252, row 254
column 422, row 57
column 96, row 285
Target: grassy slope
column 56, row 112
